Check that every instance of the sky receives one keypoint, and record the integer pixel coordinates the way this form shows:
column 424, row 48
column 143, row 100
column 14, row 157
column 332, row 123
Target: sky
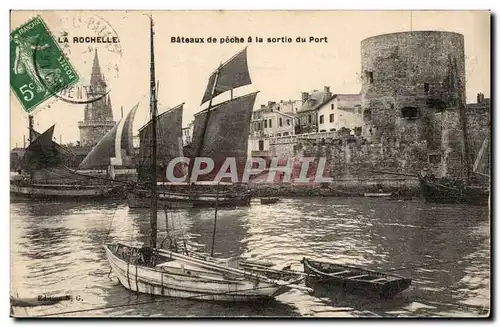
column 279, row 71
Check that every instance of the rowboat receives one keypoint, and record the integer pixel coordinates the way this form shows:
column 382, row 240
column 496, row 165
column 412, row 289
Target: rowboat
column 353, row 279
column 268, row 200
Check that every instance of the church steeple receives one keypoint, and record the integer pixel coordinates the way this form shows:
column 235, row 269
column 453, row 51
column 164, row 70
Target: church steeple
column 97, row 82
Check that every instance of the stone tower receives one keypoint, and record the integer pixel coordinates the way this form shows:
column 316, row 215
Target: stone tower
column 413, row 83
column 98, row 115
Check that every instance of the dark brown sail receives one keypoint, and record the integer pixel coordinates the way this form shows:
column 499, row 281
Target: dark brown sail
column 105, row 153
column 226, row 133
column 41, row 153
column 233, row 74
column 169, row 140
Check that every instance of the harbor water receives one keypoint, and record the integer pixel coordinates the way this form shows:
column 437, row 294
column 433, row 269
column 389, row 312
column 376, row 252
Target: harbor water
column 56, row 249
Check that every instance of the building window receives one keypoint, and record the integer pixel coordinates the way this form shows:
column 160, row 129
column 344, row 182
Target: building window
column 434, row 158
column 261, row 145
column 270, row 123
column 285, row 134
column 321, row 119
column 331, row 118
column 409, row 112
column 367, row 115
column 265, row 123
column 369, row 76
column 310, row 117
column 288, row 122
column 278, row 134
column 322, row 131
column 281, row 122
column 333, row 106
column 426, row 87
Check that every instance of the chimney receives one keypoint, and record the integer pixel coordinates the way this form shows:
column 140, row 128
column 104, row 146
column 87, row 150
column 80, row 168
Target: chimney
column 479, row 98
column 305, row 96
column 328, row 94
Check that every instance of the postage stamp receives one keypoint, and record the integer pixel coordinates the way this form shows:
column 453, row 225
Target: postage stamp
column 38, row 67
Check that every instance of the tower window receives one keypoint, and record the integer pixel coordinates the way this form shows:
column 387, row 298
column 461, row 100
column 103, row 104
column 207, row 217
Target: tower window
column 369, row 76
column 333, row 106
column 281, row 122
column 409, row 112
column 310, row 119
column 367, row 115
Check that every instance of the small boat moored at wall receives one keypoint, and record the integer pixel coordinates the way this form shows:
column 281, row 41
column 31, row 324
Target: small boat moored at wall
column 269, row 200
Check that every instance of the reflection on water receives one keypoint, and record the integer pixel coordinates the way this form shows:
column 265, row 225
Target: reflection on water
column 57, row 249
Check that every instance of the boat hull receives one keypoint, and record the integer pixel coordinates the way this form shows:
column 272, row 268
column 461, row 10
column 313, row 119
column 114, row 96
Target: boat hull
column 61, row 192
column 436, row 193
column 323, row 281
column 189, row 281
column 142, row 199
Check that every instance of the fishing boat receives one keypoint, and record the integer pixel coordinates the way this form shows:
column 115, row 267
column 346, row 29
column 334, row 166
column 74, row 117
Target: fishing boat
column 269, row 200
column 156, row 271
column 46, row 176
column 353, row 279
column 114, row 149
column 219, row 132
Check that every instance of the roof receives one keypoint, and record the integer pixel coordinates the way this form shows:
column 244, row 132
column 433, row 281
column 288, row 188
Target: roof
column 315, row 101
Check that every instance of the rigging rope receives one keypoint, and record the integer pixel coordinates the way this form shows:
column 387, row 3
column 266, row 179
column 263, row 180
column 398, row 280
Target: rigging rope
column 110, row 224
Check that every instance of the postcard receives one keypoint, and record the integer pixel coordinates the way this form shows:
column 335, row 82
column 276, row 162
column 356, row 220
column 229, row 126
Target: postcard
column 250, row 164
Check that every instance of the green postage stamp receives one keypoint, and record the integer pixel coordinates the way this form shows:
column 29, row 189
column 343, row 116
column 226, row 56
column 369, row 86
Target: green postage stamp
column 38, row 67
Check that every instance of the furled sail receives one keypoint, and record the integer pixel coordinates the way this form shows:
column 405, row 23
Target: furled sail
column 115, row 148
column 169, row 141
column 227, row 129
column 230, row 75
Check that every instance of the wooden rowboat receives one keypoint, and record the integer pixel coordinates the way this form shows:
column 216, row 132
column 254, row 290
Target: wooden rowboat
column 268, row 200
column 353, row 279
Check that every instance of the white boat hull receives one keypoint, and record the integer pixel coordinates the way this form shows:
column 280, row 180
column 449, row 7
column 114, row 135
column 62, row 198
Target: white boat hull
column 190, row 280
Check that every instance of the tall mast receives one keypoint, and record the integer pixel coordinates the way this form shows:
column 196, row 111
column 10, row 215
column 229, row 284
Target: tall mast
column 205, row 125
column 153, row 108
column 31, row 135
column 198, row 151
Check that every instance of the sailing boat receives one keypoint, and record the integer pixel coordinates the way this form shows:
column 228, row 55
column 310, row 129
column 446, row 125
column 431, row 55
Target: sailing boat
column 48, row 177
column 219, row 132
column 167, row 273
column 113, row 150
column 473, row 188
